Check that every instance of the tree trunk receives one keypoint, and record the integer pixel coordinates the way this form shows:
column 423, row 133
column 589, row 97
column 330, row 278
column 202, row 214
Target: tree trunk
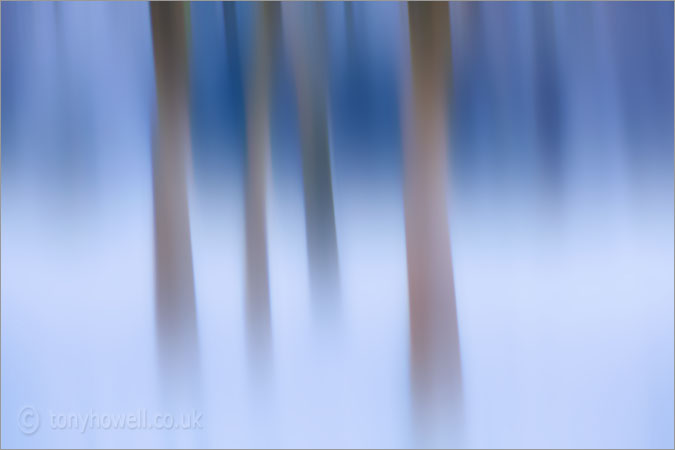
column 257, row 158
column 308, row 48
column 434, row 338
column 175, row 297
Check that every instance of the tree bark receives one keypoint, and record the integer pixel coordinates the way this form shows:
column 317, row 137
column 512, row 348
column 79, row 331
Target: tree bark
column 434, row 338
column 175, row 296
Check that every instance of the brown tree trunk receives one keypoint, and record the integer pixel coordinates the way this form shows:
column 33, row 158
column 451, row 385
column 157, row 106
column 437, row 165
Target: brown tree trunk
column 175, row 297
column 435, row 353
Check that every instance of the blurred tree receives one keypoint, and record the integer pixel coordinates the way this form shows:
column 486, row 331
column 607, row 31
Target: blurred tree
column 74, row 113
column 257, row 104
column 548, row 97
column 308, row 48
column 175, row 297
column 435, row 353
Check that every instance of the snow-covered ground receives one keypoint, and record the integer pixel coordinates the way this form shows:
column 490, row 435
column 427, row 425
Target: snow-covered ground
column 566, row 318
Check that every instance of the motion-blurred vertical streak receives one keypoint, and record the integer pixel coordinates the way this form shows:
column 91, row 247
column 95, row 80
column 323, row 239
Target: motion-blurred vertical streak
column 234, row 63
column 548, row 96
column 73, row 112
column 175, row 297
column 435, row 353
column 308, row 42
column 257, row 158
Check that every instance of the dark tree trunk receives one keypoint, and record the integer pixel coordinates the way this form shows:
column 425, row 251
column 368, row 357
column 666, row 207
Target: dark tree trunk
column 175, row 296
column 309, row 51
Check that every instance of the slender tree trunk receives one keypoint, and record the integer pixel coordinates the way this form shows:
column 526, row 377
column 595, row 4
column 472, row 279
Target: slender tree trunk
column 308, row 48
column 435, row 356
column 175, row 297
column 257, row 157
